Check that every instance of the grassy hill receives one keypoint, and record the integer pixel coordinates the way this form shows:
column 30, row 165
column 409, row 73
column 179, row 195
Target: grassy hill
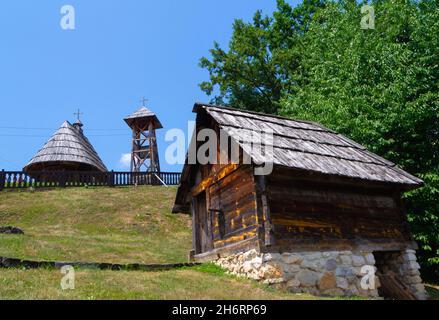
column 120, row 225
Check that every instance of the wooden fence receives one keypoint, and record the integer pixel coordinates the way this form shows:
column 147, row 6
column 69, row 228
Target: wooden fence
column 65, row 179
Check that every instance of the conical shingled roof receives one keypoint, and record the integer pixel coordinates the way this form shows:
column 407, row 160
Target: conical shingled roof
column 68, row 145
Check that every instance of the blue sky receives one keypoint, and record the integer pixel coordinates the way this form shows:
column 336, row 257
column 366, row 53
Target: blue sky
column 119, row 52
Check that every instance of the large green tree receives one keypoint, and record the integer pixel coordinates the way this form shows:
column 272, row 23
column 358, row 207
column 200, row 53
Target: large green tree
column 378, row 86
column 258, row 68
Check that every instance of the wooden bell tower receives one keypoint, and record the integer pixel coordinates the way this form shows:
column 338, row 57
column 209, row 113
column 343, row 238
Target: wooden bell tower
column 144, row 152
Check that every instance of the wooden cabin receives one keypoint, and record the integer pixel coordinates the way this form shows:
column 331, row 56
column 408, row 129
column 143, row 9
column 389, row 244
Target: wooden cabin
column 67, row 150
column 325, row 193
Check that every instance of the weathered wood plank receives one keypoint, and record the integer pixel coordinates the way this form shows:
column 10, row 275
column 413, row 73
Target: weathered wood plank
column 207, row 182
column 240, row 235
column 333, row 212
column 234, row 196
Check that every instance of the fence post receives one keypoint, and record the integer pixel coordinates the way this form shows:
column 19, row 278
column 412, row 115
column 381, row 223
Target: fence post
column 111, row 179
column 2, row 179
column 62, row 180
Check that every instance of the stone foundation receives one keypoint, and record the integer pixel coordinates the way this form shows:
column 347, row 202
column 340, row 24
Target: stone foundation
column 333, row 273
column 403, row 264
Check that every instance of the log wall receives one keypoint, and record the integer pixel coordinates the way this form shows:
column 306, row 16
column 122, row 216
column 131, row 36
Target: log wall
column 235, row 198
column 303, row 209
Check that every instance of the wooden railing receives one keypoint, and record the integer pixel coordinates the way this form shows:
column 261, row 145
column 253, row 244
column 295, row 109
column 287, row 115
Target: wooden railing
column 64, row 179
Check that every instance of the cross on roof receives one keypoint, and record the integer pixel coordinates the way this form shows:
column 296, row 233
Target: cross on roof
column 143, row 102
column 78, row 114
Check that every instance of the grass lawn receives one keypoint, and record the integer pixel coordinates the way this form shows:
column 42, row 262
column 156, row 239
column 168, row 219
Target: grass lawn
column 116, row 225
column 192, row 283
column 119, row 225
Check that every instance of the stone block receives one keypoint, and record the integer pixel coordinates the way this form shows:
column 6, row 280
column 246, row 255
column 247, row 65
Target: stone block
column 327, row 281
column 346, row 260
column 247, row 267
column 411, row 272
column 292, row 268
column 313, row 255
column 294, row 283
column 270, row 272
column 256, row 262
column 358, row 261
column 330, row 254
column 409, row 257
column 370, row 259
column 270, row 256
column 342, row 283
column 291, row 258
column 414, row 279
column 343, row 271
column 311, row 265
column 331, row 265
column 249, row 255
column 11, row 230
column 411, row 265
column 307, row 278
column 419, row 287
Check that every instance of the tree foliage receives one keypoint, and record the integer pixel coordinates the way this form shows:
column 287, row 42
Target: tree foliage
column 377, row 86
column 255, row 72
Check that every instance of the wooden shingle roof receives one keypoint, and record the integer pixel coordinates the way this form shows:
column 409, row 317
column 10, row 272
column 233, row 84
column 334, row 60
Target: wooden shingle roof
column 143, row 114
column 305, row 145
column 68, row 144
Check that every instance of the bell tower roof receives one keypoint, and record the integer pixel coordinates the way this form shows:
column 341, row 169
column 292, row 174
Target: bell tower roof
column 142, row 115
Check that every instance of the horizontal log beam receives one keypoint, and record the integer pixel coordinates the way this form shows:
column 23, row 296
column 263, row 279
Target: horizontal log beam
column 214, row 178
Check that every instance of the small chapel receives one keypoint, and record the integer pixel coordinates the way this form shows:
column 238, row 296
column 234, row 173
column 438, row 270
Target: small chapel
column 67, row 150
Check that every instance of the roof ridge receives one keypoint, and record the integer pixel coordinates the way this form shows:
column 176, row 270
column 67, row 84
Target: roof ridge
column 259, row 113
